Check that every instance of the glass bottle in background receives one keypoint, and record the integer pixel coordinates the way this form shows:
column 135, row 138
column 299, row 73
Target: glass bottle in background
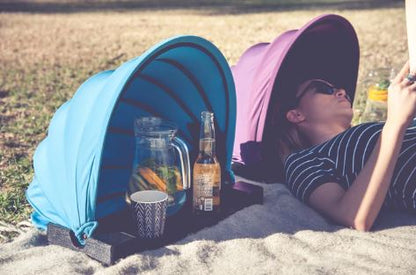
column 377, row 91
column 206, row 171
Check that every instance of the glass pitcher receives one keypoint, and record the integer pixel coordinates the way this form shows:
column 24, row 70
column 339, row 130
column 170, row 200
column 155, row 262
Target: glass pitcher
column 161, row 161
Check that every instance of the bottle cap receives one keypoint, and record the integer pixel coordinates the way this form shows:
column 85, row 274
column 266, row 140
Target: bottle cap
column 377, row 94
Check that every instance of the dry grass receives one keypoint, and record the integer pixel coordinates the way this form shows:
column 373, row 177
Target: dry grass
column 44, row 57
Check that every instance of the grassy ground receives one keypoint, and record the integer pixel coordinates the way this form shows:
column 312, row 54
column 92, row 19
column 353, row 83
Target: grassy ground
column 45, row 55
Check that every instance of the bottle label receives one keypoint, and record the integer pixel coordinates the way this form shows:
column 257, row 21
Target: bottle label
column 206, row 186
column 204, row 192
column 208, row 202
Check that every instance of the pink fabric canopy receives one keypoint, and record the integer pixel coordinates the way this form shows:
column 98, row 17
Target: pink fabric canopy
column 266, row 74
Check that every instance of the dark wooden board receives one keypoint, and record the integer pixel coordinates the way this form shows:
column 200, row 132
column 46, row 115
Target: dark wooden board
column 115, row 236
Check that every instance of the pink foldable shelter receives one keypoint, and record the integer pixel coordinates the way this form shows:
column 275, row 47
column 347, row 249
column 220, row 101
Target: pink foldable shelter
column 267, row 73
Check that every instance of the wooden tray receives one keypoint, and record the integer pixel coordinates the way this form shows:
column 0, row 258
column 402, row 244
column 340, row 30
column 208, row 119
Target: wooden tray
column 115, row 236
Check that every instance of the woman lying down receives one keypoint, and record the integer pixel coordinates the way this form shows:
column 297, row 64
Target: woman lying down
column 305, row 80
column 349, row 173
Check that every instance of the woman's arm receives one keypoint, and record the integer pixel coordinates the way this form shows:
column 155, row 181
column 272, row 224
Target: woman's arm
column 359, row 206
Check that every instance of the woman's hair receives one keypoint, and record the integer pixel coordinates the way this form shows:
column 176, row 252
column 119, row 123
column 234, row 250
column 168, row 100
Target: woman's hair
column 283, row 138
column 287, row 137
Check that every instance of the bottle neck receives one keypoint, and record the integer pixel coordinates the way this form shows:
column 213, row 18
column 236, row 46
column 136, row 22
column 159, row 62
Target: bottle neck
column 207, row 134
column 207, row 146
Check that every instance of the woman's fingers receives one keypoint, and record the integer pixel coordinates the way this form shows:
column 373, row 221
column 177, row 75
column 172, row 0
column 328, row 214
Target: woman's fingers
column 412, row 87
column 408, row 80
column 403, row 73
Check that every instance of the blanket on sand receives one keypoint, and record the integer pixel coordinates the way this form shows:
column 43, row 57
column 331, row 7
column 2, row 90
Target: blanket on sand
column 281, row 236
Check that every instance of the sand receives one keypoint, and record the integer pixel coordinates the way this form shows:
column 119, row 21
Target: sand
column 282, row 236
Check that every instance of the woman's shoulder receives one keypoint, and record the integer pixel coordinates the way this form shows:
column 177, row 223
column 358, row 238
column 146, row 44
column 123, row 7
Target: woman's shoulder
column 358, row 129
column 319, row 150
column 304, row 154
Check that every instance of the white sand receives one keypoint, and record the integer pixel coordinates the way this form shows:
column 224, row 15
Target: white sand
column 282, row 236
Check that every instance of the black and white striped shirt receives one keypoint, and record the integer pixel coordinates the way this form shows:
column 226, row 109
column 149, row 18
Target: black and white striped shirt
column 341, row 159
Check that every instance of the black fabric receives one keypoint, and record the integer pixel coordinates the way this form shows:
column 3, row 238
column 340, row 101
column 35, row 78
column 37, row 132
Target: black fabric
column 261, row 172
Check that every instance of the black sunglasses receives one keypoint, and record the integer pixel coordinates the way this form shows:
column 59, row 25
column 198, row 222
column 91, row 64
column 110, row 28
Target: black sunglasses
column 321, row 87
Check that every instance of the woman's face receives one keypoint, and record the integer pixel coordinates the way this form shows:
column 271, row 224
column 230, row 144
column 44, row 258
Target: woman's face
column 320, row 102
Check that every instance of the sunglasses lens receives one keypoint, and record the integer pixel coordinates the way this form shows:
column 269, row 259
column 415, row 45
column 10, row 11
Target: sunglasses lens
column 319, row 87
column 324, row 88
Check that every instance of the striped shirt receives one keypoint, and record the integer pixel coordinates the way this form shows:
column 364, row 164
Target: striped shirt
column 341, row 159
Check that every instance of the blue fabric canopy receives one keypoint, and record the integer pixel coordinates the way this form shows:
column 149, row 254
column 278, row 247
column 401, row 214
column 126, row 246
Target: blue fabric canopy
column 82, row 168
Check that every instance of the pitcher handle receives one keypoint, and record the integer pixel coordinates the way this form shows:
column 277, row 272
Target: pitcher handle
column 183, row 151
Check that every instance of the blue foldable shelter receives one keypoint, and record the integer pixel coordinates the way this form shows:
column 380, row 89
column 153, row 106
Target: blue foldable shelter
column 82, row 168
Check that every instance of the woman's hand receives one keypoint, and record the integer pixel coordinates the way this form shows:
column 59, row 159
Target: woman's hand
column 401, row 99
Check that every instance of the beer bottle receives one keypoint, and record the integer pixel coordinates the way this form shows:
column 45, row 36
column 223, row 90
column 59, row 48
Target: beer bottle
column 206, row 171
